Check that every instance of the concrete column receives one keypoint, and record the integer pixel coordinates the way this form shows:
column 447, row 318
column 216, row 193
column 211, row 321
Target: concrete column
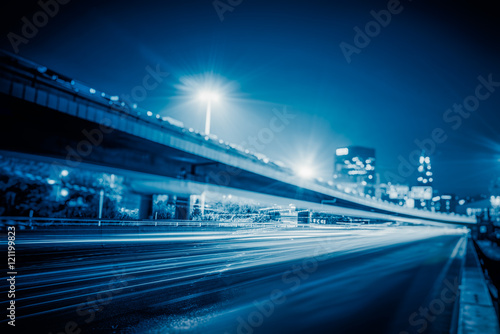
column 183, row 208
column 146, row 207
column 170, row 201
column 202, row 203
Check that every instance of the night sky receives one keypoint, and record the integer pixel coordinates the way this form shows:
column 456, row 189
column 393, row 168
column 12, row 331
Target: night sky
column 268, row 55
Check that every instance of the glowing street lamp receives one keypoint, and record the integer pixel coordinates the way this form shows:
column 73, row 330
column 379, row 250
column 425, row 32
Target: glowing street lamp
column 305, row 172
column 209, row 96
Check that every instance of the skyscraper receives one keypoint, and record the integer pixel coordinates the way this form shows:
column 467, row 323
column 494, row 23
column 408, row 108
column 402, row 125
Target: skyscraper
column 425, row 177
column 423, row 190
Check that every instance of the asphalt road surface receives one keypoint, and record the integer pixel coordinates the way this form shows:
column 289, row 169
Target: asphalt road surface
column 374, row 279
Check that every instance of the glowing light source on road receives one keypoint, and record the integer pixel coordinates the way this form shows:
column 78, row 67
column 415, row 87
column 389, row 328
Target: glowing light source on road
column 64, row 192
column 64, row 172
column 207, row 95
column 206, row 89
column 51, row 182
column 305, row 172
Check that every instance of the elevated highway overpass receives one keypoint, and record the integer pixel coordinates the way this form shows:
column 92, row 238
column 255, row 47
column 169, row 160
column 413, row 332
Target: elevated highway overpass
column 47, row 115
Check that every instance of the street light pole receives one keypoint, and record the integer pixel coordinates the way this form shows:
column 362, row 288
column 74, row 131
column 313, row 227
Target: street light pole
column 207, row 121
column 208, row 97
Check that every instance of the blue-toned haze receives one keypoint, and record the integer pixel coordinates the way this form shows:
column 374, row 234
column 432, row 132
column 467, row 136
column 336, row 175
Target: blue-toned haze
column 271, row 54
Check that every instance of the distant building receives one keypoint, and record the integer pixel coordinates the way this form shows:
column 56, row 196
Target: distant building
column 425, row 175
column 395, row 193
column 422, row 192
column 481, row 206
column 355, row 165
column 446, row 203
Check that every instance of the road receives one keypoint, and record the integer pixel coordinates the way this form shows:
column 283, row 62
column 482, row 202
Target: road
column 373, row 279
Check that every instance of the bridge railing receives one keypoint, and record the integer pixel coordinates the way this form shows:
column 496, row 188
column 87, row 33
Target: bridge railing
column 39, row 222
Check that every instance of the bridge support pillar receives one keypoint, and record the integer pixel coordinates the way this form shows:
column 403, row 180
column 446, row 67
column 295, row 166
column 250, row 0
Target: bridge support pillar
column 183, row 208
column 146, row 207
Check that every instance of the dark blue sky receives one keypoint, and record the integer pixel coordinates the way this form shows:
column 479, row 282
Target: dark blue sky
column 271, row 54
